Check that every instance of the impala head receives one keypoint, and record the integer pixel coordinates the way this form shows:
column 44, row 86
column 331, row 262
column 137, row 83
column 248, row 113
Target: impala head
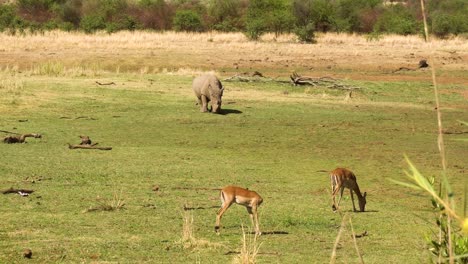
column 362, row 202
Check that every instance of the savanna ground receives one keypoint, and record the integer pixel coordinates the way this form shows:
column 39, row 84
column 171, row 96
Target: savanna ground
column 272, row 138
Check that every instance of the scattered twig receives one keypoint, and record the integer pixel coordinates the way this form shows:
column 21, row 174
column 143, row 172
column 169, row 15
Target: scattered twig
column 109, row 83
column 70, row 146
column 363, row 234
column 8, row 132
column 187, row 208
column 87, row 144
column 86, row 117
column 248, row 77
column 79, row 117
column 231, row 252
column 454, row 132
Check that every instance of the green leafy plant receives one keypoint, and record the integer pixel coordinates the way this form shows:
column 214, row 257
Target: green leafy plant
column 451, row 244
column 187, row 20
column 306, row 33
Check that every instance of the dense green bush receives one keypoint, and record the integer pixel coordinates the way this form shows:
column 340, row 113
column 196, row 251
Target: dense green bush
column 10, row 20
column 306, row 33
column 399, row 20
column 253, row 17
column 268, row 16
column 356, row 15
column 227, row 15
column 187, row 20
column 444, row 24
column 92, row 23
column 154, row 14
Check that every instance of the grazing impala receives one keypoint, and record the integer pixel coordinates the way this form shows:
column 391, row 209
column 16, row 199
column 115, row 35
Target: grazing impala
column 343, row 178
column 250, row 199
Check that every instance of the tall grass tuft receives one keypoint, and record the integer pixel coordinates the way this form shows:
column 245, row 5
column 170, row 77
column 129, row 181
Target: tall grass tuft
column 346, row 217
column 188, row 240
column 452, row 242
column 249, row 250
column 49, row 69
column 116, row 203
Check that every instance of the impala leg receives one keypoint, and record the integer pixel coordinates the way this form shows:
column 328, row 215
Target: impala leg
column 341, row 195
column 335, row 189
column 341, row 189
column 352, row 199
column 253, row 213
column 220, row 213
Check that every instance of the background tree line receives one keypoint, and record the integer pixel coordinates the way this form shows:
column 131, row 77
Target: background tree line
column 253, row 17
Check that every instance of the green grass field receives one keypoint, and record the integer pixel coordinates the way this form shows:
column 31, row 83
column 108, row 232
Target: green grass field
column 272, row 138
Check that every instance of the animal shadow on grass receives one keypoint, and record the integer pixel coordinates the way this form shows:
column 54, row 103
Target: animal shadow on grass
column 359, row 212
column 370, row 211
column 187, row 208
column 229, row 111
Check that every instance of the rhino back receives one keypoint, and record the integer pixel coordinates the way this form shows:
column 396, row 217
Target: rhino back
column 201, row 84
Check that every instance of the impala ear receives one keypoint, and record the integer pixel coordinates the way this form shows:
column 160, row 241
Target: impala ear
column 365, row 194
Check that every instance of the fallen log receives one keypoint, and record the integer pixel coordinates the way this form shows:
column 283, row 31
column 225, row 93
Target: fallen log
column 93, row 146
column 19, row 138
column 327, row 82
column 13, row 190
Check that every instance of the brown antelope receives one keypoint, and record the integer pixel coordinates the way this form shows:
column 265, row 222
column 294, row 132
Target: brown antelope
column 343, row 178
column 250, row 199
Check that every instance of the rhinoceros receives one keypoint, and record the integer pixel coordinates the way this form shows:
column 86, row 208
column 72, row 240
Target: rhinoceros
column 208, row 88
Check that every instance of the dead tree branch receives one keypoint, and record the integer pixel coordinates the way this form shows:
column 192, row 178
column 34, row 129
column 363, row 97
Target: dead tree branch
column 19, row 138
column 109, row 83
column 13, row 190
column 9, row 132
column 327, row 82
column 93, row 146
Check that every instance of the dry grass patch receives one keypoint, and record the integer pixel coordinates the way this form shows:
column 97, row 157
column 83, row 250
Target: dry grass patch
column 150, row 52
column 116, row 203
column 249, row 250
column 188, row 240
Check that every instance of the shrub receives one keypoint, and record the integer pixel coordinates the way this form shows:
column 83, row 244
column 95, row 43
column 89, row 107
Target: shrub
column 306, row 33
column 227, row 15
column 7, row 16
column 154, row 14
column 187, row 20
column 268, row 16
column 444, row 24
column 70, row 12
column 255, row 28
column 356, row 15
column 398, row 20
column 92, row 23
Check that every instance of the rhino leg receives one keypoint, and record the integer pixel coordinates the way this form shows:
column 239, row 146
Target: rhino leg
column 204, row 104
